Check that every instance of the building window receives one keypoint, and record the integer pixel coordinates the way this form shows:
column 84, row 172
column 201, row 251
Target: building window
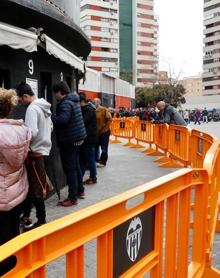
column 103, row 29
column 114, row 40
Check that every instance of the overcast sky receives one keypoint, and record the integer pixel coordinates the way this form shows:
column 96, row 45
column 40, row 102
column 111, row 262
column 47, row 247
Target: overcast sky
column 180, row 35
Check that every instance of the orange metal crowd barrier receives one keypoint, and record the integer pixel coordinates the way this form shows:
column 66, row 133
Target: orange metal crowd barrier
column 144, row 132
column 131, row 239
column 212, row 165
column 178, row 147
column 161, row 133
column 199, row 145
column 134, row 119
column 122, row 128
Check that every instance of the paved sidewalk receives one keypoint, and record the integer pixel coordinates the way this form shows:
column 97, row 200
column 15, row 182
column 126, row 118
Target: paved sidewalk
column 127, row 168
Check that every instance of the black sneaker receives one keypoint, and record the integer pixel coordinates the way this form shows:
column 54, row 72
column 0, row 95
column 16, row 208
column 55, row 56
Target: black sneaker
column 34, row 226
column 26, row 222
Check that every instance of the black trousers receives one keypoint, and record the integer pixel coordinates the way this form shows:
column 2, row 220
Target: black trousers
column 71, row 166
column 39, row 206
column 9, row 224
column 36, row 171
column 103, row 143
column 9, row 228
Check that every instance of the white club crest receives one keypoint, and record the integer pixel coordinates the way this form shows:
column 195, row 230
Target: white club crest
column 133, row 240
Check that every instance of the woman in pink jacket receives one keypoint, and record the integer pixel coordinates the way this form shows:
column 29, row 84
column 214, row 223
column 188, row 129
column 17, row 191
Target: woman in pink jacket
column 14, row 145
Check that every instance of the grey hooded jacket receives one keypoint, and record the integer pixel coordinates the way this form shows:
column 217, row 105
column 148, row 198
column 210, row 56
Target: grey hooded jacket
column 38, row 119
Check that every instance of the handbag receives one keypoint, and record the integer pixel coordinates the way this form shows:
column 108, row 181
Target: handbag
column 46, row 187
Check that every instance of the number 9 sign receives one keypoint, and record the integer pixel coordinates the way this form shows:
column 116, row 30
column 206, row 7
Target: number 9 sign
column 31, row 67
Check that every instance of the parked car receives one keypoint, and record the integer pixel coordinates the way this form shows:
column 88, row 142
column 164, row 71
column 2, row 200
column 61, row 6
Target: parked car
column 216, row 117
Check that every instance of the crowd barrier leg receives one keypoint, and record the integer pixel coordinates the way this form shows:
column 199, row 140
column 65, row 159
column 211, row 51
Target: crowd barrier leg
column 137, row 145
column 172, row 163
column 162, row 160
column 129, row 144
column 115, row 141
column 156, row 153
column 149, row 149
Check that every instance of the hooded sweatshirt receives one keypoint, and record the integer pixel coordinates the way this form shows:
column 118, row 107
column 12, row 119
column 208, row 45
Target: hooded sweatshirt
column 38, row 119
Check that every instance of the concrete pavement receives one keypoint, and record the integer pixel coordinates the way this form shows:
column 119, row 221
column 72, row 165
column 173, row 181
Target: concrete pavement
column 211, row 128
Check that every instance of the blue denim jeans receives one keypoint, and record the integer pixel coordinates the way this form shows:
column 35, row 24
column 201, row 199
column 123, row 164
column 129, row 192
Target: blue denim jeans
column 87, row 158
column 103, row 143
column 71, row 166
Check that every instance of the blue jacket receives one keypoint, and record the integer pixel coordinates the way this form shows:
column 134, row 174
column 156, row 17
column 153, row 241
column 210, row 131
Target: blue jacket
column 68, row 121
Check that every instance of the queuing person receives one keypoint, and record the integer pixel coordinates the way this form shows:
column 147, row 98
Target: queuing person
column 70, row 132
column 186, row 116
column 168, row 114
column 87, row 150
column 197, row 116
column 104, row 120
column 205, row 116
column 153, row 114
column 14, row 146
column 111, row 111
column 38, row 119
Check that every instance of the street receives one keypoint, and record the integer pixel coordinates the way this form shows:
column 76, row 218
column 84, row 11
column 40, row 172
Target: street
column 211, row 128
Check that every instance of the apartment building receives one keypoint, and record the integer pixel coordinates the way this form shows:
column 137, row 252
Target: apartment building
column 193, row 85
column 100, row 21
column 211, row 59
column 163, row 77
column 138, row 42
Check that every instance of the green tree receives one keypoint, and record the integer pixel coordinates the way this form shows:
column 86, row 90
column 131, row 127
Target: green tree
column 170, row 93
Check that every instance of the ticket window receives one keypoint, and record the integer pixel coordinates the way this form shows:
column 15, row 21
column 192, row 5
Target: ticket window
column 46, row 86
column 69, row 83
column 5, row 79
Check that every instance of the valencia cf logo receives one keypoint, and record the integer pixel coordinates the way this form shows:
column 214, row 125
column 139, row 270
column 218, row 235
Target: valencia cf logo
column 133, row 240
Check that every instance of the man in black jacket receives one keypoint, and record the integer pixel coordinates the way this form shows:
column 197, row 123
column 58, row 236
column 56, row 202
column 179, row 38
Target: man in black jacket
column 87, row 150
column 205, row 115
column 70, row 131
